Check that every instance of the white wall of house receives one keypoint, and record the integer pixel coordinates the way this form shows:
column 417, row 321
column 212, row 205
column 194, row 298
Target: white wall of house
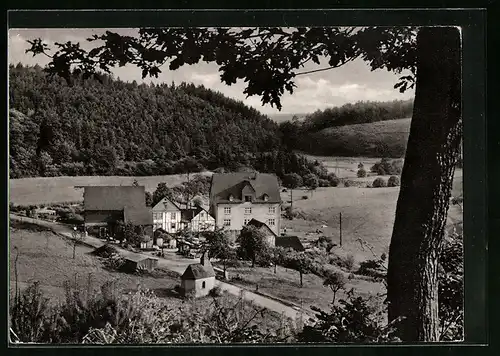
column 203, row 222
column 201, row 287
column 170, row 221
column 240, row 214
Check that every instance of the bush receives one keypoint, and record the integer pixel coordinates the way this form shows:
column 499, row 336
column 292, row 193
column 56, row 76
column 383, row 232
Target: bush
column 347, row 183
column 334, row 182
column 393, row 181
column 361, row 173
column 388, row 167
column 346, row 263
column 305, row 197
column 379, row 183
column 324, row 183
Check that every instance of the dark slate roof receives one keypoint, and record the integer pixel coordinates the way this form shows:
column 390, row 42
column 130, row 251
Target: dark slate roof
column 259, row 224
column 198, row 271
column 189, row 214
column 289, row 242
column 138, row 215
column 226, row 184
column 113, row 197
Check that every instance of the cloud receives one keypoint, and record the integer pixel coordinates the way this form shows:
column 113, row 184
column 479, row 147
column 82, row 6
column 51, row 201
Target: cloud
column 316, row 91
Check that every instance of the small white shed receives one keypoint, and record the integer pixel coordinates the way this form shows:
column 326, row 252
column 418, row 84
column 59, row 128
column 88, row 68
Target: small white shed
column 198, row 278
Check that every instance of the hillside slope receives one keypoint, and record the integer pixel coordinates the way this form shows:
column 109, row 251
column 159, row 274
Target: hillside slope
column 377, row 139
column 111, row 127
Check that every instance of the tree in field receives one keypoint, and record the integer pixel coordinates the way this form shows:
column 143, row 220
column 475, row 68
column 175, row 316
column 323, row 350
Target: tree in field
column 300, row 262
column 335, row 281
column 252, row 243
column 311, row 181
column 148, row 197
column 278, row 255
column 292, row 181
column 161, row 192
column 269, row 59
column 218, row 246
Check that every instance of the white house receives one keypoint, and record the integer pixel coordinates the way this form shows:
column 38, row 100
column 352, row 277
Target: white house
column 197, row 219
column 237, row 198
column 167, row 216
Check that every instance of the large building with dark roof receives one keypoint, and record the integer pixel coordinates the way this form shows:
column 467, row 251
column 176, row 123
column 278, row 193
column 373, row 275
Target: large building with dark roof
column 106, row 206
column 237, row 198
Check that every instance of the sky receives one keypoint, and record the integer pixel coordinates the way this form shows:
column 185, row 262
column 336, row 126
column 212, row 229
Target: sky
column 316, row 91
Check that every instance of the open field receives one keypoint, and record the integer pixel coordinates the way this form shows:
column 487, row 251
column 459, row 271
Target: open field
column 378, row 139
column 367, row 217
column 46, row 257
column 285, row 284
column 26, row 191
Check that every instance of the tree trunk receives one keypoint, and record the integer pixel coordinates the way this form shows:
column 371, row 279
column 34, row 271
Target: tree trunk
column 291, row 200
column 301, row 279
column 426, row 183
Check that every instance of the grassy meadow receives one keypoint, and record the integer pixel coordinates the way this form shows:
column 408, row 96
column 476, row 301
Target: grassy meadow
column 367, row 216
column 376, row 139
column 46, row 257
column 46, row 190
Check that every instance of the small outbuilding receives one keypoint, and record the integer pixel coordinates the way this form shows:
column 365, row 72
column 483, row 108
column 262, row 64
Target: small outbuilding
column 134, row 263
column 287, row 242
column 198, row 279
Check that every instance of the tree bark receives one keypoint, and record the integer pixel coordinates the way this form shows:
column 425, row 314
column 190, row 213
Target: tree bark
column 426, row 183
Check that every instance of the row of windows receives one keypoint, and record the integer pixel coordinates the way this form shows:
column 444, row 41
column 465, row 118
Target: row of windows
column 173, row 226
column 269, row 222
column 159, row 216
column 227, row 210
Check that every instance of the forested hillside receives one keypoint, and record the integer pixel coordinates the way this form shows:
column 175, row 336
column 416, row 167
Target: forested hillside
column 118, row 128
column 368, row 129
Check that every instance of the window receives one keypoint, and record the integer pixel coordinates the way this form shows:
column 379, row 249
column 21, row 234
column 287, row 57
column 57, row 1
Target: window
column 172, row 226
column 272, row 210
column 203, row 285
column 266, row 197
column 231, row 197
column 246, row 221
column 248, row 210
column 202, row 215
column 271, row 222
column 227, row 222
column 248, row 198
column 227, row 210
column 173, row 216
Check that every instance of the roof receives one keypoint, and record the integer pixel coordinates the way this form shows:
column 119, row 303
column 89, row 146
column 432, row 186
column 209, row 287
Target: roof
column 198, row 271
column 189, row 214
column 226, row 184
column 138, row 258
column 259, row 224
column 113, row 197
column 138, row 215
column 289, row 242
column 166, row 205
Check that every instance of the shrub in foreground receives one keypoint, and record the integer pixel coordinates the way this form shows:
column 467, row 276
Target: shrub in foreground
column 379, row 183
column 393, row 181
column 361, row 173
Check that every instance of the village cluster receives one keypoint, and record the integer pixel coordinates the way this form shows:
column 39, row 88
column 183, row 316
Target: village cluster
column 236, row 200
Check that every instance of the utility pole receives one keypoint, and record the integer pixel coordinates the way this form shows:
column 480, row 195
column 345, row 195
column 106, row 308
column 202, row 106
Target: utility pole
column 340, row 220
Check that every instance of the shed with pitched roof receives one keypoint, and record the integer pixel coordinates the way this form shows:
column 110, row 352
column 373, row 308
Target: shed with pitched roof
column 198, row 279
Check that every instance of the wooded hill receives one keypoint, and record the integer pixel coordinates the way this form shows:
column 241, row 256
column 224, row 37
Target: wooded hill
column 120, row 128
column 368, row 129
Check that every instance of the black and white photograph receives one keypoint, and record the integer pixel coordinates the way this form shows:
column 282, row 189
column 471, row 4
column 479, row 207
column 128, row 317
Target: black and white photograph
column 228, row 185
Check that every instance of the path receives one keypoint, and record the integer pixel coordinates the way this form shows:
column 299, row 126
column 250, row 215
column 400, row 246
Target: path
column 178, row 264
